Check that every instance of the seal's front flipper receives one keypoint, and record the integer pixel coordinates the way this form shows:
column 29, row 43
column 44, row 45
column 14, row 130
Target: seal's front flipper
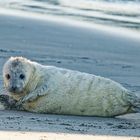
column 6, row 102
column 40, row 91
column 3, row 102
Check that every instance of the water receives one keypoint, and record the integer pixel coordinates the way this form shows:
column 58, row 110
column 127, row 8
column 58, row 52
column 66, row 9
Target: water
column 117, row 13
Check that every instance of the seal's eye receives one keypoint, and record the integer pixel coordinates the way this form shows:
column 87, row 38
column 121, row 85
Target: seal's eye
column 7, row 76
column 22, row 76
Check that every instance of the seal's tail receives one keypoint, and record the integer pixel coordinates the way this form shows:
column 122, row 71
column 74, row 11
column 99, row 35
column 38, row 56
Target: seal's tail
column 134, row 101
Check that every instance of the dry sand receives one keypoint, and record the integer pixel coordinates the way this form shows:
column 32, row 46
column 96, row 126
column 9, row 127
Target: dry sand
column 90, row 50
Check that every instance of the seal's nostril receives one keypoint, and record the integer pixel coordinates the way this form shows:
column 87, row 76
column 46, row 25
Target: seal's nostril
column 14, row 88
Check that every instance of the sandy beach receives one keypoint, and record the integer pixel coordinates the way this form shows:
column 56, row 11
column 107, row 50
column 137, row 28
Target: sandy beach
column 86, row 49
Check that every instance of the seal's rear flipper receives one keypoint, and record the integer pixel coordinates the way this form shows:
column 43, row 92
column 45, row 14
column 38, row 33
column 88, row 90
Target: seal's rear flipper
column 134, row 101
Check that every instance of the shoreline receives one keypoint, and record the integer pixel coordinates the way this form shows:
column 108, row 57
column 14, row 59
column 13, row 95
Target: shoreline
column 70, row 22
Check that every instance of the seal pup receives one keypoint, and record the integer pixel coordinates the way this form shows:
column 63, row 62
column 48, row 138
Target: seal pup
column 49, row 89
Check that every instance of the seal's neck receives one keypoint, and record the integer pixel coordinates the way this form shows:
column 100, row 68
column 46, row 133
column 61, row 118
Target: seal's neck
column 33, row 81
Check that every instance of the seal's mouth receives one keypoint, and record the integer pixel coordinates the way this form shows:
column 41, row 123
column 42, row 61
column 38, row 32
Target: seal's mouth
column 14, row 90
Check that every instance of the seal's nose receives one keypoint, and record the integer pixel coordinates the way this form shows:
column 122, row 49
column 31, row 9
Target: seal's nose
column 14, row 88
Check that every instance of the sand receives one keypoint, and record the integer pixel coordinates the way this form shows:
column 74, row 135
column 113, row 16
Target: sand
column 92, row 50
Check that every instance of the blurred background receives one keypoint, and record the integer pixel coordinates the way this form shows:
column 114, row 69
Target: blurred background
column 116, row 13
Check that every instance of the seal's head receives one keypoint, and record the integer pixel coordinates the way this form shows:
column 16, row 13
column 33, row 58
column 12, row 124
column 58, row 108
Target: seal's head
column 16, row 74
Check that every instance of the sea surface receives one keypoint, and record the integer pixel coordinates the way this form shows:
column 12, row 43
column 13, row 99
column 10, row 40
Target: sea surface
column 116, row 13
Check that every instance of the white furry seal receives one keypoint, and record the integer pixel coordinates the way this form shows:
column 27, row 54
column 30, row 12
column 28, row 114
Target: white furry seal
column 49, row 89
